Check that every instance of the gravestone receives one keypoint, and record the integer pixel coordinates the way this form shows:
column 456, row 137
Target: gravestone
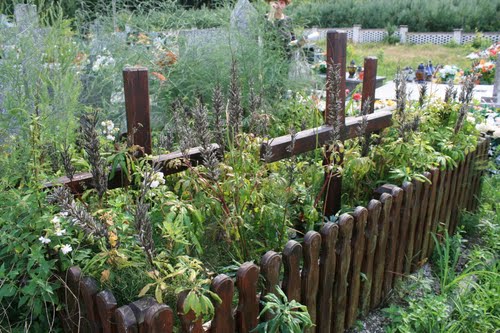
column 243, row 17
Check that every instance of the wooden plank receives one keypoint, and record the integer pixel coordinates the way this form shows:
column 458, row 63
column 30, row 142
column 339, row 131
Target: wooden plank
column 335, row 56
column 317, row 137
column 466, row 184
column 72, row 298
column 437, row 209
column 415, row 211
column 419, row 233
column 380, row 252
column 248, row 303
column 159, row 318
column 106, row 306
column 140, row 308
column 136, row 88
column 430, row 214
column 369, row 82
column 167, row 162
column 451, row 198
column 270, row 266
column 455, row 212
column 354, row 278
column 190, row 323
column 343, row 252
column 327, row 263
column 310, row 274
column 292, row 255
column 223, row 321
column 446, row 200
column 125, row 320
column 471, row 197
column 404, row 227
column 392, row 240
column 88, row 291
column 336, row 45
column 371, row 236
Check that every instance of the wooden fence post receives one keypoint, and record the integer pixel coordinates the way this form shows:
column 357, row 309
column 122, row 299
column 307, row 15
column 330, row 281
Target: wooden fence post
column 136, row 87
column 106, row 306
column 190, row 323
column 159, row 318
column 392, row 240
column 369, row 82
column 336, row 44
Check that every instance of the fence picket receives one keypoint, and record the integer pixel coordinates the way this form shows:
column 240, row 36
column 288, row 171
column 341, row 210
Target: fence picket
column 371, row 235
column 310, row 273
column 223, row 321
column 88, row 291
column 392, row 239
column 327, row 262
column 430, row 213
column 270, row 266
column 190, row 323
column 292, row 255
column 248, row 305
column 419, row 236
column 456, row 200
column 443, row 174
column 71, row 298
column 106, row 306
column 415, row 210
column 343, row 252
column 125, row 320
column 357, row 250
column 404, row 224
column 451, row 198
column 159, row 318
column 446, row 200
column 380, row 252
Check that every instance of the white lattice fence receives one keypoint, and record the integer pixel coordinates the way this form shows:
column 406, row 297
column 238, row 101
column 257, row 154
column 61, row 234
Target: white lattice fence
column 322, row 32
column 372, row 35
column 429, row 38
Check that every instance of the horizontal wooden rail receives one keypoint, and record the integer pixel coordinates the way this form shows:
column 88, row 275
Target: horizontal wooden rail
column 83, row 180
column 313, row 138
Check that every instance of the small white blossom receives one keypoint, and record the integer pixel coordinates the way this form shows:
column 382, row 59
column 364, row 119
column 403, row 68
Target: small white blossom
column 496, row 134
column 64, row 214
column 66, row 248
column 110, row 137
column 44, row 240
column 156, row 179
column 60, row 232
column 56, row 220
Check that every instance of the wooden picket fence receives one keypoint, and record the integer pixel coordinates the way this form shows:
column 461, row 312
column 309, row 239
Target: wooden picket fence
column 339, row 273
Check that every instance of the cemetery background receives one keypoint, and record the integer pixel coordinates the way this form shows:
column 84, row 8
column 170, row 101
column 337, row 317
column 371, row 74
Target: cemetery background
column 100, row 97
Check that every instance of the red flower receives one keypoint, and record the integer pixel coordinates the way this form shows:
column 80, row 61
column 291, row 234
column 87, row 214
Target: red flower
column 356, row 97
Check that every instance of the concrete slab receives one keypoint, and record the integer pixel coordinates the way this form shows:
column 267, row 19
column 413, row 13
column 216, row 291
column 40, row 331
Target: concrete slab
column 435, row 90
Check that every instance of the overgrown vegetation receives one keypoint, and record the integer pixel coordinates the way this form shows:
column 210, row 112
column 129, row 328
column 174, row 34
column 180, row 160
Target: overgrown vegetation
column 61, row 113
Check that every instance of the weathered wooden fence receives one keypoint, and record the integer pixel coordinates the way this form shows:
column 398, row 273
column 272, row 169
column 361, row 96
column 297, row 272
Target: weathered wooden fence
column 381, row 243
column 339, row 273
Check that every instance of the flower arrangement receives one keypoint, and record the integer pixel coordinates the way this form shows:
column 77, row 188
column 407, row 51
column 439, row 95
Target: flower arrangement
column 448, row 73
column 485, row 71
column 489, row 53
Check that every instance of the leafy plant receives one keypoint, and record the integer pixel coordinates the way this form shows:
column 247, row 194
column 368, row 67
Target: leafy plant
column 286, row 316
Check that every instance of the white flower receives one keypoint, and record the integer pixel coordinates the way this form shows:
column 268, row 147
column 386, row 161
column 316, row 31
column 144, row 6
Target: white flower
column 64, row 214
column 156, row 179
column 60, row 232
column 44, row 240
column 56, row 220
column 482, row 127
column 154, row 184
column 66, row 248
column 110, row 137
column 496, row 134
